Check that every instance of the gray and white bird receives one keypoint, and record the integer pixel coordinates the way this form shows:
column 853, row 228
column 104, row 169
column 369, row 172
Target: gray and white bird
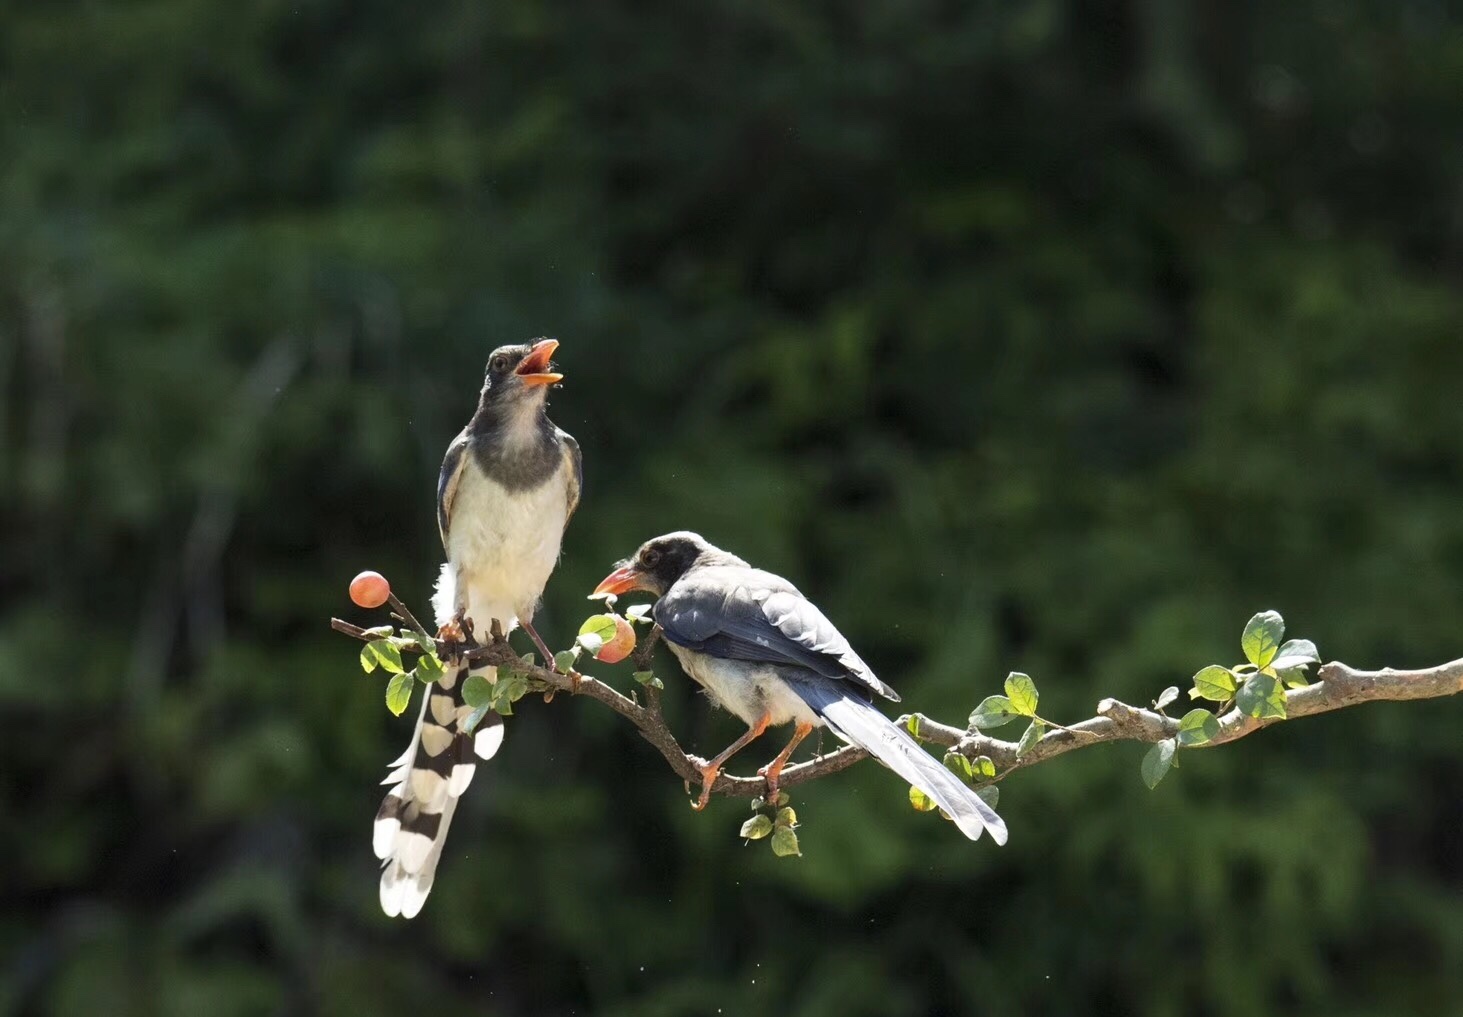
column 509, row 483
column 766, row 653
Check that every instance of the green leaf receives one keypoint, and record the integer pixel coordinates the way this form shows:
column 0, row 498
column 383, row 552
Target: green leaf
column 509, row 689
column 993, row 711
column 1296, row 653
column 648, row 678
column 398, row 693
column 596, row 631
column 1033, row 734
column 990, row 794
column 785, row 842
column 959, row 766
column 757, row 827
column 1292, row 661
column 787, row 817
column 984, row 766
column 1157, row 761
column 783, row 798
column 1215, row 683
column 911, row 724
column 380, row 631
column 380, row 653
column 475, row 718
column 428, row 668
column 1198, row 727
column 1261, row 696
column 1261, row 639
column 1021, row 691
column 477, row 691
column 564, row 660
column 921, row 801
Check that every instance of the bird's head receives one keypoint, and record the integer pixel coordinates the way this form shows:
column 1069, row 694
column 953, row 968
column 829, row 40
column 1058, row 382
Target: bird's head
column 520, row 374
column 658, row 564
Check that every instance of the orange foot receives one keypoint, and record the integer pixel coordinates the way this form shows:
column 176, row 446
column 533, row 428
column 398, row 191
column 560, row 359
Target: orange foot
column 708, row 778
column 455, row 638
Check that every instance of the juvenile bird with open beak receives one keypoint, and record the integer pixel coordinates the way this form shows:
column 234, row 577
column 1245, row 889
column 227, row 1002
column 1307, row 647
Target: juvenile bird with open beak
column 766, row 653
column 509, row 483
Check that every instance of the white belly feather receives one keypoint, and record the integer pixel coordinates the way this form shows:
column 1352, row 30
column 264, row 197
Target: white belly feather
column 503, row 546
column 736, row 687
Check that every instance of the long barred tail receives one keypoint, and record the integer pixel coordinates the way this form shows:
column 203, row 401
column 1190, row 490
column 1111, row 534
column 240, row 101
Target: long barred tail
column 411, row 825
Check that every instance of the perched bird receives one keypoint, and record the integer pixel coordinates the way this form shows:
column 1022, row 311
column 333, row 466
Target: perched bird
column 509, row 483
column 766, row 653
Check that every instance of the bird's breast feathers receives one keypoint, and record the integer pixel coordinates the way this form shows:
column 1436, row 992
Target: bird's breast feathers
column 503, row 544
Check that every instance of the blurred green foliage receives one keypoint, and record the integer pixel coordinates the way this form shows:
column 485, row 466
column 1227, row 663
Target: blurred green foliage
column 1047, row 336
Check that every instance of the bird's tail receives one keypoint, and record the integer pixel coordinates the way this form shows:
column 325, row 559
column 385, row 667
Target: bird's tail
column 427, row 779
column 438, row 765
column 857, row 721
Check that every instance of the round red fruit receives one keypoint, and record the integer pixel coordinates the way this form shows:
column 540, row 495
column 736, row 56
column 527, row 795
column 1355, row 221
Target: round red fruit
column 618, row 648
column 370, row 589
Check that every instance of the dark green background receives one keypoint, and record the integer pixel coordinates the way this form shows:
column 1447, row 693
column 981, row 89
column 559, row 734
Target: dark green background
column 1027, row 335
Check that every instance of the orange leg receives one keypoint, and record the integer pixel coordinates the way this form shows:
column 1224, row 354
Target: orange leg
column 457, row 635
column 773, row 770
column 711, row 769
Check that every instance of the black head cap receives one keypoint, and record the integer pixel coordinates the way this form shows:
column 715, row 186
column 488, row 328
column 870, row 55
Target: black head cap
column 665, row 559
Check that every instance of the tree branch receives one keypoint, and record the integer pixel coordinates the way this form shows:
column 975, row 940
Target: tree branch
column 1337, row 686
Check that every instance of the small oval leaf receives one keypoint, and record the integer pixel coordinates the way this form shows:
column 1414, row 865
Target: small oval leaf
column 757, row 827
column 1198, row 727
column 477, row 691
column 1033, row 734
column 785, row 842
column 1021, row 691
column 1214, row 683
column 1261, row 696
column 993, row 712
column 1157, row 761
column 398, row 693
column 1261, row 639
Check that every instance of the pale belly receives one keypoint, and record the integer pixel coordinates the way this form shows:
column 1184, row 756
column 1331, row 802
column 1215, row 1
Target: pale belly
column 749, row 694
column 503, row 546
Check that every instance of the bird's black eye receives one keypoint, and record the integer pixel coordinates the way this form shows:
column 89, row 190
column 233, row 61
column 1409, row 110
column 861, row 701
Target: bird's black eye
column 499, row 364
column 650, row 559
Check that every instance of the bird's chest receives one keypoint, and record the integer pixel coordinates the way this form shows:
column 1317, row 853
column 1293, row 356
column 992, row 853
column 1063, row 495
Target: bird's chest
column 504, row 543
column 748, row 690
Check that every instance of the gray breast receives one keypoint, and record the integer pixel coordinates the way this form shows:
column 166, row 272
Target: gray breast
column 518, row 462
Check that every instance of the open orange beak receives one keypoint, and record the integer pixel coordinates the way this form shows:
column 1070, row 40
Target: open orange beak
column 622, row 580
column 534, row 368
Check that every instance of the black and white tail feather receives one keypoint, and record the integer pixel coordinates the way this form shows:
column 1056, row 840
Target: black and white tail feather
column 428, row 778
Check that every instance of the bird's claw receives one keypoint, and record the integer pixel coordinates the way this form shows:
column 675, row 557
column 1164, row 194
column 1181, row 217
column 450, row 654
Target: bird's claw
column 708, row 778
column 767, row 774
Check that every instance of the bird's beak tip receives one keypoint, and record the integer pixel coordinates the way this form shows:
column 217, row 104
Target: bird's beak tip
column 622, row 580
column 534, row 368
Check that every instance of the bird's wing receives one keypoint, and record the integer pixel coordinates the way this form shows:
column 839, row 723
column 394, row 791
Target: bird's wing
column 447, row 482
column 747, row 614
column 576, row 471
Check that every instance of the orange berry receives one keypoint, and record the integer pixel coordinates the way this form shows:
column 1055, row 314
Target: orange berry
column 370, row 589
column 618, row 648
